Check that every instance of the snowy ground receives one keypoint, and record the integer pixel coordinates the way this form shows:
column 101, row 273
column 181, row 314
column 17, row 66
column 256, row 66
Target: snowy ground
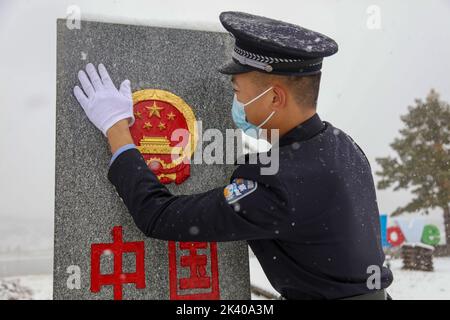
column 407, row 285
column 40, row 285
column 416, row 285
column 419, row 285
column 259, row 279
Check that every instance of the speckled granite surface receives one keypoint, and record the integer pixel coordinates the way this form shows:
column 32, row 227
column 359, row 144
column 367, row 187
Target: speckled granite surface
column 183, row 62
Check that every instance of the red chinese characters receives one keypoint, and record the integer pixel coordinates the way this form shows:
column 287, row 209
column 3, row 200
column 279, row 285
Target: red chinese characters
column 202, row 282
column 118, row 277
column 193, row 268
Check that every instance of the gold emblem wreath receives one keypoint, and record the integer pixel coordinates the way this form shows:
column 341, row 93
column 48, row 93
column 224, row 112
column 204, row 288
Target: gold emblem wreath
column 183, row 107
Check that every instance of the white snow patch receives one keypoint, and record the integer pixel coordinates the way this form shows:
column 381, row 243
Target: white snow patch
column 40, row 285
column 407, row 285
column 421, row 285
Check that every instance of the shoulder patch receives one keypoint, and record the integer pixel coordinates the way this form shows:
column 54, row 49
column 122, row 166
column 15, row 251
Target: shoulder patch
column 238, row 189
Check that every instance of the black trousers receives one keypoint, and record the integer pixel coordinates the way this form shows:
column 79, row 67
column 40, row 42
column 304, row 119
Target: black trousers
column 377, row 295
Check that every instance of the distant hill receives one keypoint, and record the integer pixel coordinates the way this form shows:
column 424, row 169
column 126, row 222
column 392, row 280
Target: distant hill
column 23, row 236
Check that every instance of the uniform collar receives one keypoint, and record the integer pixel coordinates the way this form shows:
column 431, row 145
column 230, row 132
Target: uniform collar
column 303, row 131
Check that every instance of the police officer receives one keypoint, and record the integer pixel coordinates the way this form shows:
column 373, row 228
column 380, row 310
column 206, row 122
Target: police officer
column 314, row 224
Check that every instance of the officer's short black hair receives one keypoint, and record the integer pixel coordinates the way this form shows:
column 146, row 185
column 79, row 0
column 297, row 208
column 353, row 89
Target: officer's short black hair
column 305, row 89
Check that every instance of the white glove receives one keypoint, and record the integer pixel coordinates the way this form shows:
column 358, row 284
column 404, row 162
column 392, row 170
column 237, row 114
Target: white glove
column 103, row 104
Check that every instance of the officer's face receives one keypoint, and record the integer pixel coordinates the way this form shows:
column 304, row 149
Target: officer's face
column 247, row 86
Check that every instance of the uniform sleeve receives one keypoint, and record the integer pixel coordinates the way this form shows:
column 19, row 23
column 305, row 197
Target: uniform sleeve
column 248, row 208
column 120, row 150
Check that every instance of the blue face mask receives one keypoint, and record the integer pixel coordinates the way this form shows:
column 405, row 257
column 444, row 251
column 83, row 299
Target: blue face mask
column 240, row 119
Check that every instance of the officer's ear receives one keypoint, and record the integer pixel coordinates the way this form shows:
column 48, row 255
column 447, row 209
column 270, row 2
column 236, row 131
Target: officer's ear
column 279, row 97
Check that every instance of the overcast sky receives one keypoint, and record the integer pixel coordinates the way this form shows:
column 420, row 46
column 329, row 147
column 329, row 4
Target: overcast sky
column 365, row 87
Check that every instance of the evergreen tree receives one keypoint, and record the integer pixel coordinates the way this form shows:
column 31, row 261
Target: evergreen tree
column 422, row 164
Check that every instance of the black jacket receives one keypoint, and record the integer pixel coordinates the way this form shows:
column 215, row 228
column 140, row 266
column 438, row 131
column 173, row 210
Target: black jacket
column 314, row 225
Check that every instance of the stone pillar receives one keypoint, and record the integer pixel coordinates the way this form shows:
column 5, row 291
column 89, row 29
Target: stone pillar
column 89, row 216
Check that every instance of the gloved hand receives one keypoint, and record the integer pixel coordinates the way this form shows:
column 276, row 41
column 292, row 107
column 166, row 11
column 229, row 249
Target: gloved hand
column 103, row 104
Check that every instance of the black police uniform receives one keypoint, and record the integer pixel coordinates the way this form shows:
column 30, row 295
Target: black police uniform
column 313, row 226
